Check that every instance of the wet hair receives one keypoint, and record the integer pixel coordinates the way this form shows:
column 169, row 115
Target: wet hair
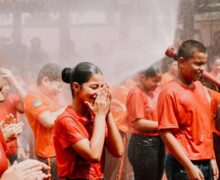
column 81, row 73
column 188, row 47
column 50, row 70
column 152, row 71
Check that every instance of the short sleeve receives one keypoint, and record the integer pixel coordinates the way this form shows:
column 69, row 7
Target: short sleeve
column 167, row 111
column 72, row 131
column 135, row 106
column 34, row 105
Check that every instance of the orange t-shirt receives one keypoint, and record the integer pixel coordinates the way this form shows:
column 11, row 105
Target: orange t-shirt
column 141, row 105
column 215, row 101
column 34, row 104
column 3, row 159
column 70, row 128
column 118, row 107
column 9, row 106
column 185, row 111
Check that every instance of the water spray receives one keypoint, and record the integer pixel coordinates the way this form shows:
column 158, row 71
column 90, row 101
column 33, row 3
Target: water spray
column 207, row 79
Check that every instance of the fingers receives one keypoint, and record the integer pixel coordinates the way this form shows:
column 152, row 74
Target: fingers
column 31, row 163
column 215, row 171
column 90, row 106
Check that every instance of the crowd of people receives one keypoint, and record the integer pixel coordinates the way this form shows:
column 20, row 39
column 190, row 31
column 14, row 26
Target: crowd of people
column 162, row 123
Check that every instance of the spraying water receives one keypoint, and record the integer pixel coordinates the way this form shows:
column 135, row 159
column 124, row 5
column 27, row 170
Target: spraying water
column 121, row 37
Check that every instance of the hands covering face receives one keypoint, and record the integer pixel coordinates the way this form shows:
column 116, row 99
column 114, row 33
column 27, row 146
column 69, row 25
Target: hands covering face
column 101, row 105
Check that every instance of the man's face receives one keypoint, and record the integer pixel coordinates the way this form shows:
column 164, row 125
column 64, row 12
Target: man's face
column 192, row 69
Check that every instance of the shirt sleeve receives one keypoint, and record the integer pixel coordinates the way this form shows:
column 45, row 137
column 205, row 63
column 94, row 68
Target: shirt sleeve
column 35, row 105
column 72, row 132
column 136, row 106
column 167, row 112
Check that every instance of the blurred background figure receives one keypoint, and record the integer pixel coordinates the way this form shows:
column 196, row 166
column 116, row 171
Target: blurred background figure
column 42, row 108
column 10, row 105
column 169, row 69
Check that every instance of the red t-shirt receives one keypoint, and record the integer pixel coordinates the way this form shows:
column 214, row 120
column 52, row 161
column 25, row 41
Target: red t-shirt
column 3, row 158
column 34, row 104
column 71, row 128
column 9, row 106
column 185, row 111
column 141, row 105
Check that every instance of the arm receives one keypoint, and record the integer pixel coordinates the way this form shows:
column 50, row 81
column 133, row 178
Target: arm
column 47, row 118
column 114, row 141
column 177, row 151
column 91, row 150
column 146, row 125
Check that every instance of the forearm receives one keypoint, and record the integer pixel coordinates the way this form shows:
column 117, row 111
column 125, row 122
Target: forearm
column 114, row 140
column 176, row 149
column 146, row 125
column 98, row 137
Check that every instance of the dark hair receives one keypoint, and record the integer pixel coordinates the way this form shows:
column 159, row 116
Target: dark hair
column 152, row 71
column 81, row 73
column 188, row 47
column 50, row 70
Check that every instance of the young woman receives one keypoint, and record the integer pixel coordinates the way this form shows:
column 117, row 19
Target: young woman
column 146, row 149
column 86, row 126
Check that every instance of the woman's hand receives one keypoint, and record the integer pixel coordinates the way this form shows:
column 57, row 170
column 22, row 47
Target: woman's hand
column 101, row 105
column 12, row 131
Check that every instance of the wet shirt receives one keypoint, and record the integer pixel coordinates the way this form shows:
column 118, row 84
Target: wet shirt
column 70, row 128
column 34, row 104
column 185, row 111
column 141, row 105
column 9, row 106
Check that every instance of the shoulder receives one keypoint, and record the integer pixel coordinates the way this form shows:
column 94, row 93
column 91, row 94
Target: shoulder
column 170, row 88
column 66, row 119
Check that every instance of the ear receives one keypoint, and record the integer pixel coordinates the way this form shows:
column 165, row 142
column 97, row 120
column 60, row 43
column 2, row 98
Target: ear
column 76, row 87
column 181, row 62
column 45, row 80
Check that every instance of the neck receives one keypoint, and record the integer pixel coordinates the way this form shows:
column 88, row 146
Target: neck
column 182, row 80
column 80, row 107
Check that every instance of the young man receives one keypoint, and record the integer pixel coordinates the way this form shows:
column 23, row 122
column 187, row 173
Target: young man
column 42, row 108
column 184, row 118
